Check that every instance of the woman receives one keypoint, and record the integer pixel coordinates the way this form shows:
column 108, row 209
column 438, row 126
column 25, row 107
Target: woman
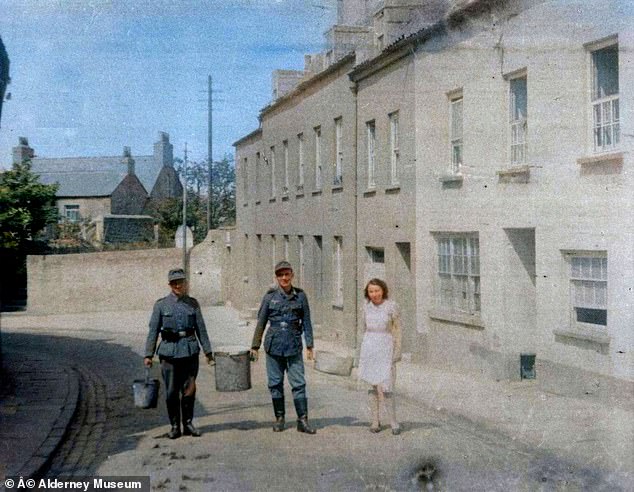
column 380, row 349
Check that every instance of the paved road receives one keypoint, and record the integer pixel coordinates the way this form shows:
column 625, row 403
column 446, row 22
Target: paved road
column 238, row 451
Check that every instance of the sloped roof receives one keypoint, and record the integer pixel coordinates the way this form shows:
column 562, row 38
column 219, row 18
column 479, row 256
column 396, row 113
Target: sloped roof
column 93, row 176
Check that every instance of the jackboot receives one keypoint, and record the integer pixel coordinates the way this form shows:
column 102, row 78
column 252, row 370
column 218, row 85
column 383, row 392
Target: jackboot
column 279, row 410
column 301, row 407
column 174, row 414
column 187, row 405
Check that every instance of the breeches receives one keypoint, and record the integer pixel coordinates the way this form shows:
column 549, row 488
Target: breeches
column 179, row 376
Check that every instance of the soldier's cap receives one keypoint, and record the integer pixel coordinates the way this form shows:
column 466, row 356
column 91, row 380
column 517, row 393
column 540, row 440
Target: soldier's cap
column 283, row 265
column 176, row 274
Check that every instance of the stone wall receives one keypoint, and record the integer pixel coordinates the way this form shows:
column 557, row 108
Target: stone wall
column 89, row 282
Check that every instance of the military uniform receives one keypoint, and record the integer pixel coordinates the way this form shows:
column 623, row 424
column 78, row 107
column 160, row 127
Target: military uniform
column 289, row 317
column 179, row 322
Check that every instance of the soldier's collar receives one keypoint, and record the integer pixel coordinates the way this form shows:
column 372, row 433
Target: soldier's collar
column 291, row 293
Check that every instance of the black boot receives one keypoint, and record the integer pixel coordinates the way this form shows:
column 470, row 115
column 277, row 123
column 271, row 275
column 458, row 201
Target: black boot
column 279, row 410
column 174, row 414
column 301, row 407
column 187, row 404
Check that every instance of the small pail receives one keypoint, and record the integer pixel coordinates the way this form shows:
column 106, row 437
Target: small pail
column 233, row 369
column 145, row 391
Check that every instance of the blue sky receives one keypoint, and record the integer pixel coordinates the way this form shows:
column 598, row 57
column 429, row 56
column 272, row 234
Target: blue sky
column 92, row 76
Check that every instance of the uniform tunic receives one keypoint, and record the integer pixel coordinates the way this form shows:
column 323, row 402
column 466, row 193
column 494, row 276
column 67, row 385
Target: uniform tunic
column 378, row 349
column 289, row 316
column 174, row 314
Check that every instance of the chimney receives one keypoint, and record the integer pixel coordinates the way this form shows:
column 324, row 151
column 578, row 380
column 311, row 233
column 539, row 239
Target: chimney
column 128, row 160
column 22, row 152
column 164, row 150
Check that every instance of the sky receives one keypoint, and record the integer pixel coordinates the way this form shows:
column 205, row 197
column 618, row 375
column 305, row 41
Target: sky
column 89, row 77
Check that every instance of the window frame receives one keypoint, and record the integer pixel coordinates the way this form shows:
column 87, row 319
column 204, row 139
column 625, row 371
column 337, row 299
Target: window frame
column 285, row 156
column 603, row 102
column 300, row 162
column 456, row 141
column 452, row 284
column 573, row 281
column 75, row 215
column 273, row 183
column 517, row 126
column 338, row 167
column 318, row 159
column 337, row 270
column 394, row 119
column 371, row 153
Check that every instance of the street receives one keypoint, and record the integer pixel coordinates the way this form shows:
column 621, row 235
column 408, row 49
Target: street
column 238, row 450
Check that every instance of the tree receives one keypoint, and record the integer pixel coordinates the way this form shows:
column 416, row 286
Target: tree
column 223, row 193
column 26, row 207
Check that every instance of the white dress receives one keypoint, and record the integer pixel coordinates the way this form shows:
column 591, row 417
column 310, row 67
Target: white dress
column 375, row 359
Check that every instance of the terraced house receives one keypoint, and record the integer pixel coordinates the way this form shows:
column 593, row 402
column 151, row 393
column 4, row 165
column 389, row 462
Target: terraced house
column 476, row 155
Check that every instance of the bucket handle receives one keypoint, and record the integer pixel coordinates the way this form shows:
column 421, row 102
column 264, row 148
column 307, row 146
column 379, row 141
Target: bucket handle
column 235, row 356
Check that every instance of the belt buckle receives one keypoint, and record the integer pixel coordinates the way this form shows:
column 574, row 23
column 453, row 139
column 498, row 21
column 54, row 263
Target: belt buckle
column 182, row 333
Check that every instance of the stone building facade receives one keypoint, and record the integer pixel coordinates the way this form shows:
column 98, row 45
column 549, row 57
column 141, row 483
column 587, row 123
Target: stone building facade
column 101, row 190
column 489, row 157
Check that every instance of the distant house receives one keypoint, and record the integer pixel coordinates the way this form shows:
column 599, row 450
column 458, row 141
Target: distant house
column 101, row 189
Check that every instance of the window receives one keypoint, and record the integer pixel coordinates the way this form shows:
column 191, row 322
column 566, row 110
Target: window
column 285, row 148
column 589, row 288
column 318, row 158
column 301, row 257
column 518, row 118
column 376, row 255
column 456, row 135
column 338, row 175
column 71, row 213
column 273, row 250
column 257, row 176
column 245, row 177
column 459, row 273
column 273, row 188
column 371, row 143
column 394, row 150
column 300, row 173
column 286, row 246
column 338, row 271
column 605, row 98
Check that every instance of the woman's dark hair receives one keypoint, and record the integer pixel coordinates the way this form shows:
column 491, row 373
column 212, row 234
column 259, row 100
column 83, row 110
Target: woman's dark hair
column 378, row 282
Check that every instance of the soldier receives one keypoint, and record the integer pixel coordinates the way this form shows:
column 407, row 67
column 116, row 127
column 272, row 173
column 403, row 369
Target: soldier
column 286, row 307
column 179, row 320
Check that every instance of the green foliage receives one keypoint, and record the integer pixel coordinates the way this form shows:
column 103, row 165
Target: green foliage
column 26, row 207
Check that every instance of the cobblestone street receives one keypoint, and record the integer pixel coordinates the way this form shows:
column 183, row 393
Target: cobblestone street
column 238, row 451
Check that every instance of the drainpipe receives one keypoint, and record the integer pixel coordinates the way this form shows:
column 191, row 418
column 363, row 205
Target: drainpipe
column 354, row 89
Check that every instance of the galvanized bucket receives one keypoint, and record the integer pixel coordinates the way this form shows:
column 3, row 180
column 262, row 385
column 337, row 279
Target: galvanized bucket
column 146, row 391
column 233, row 369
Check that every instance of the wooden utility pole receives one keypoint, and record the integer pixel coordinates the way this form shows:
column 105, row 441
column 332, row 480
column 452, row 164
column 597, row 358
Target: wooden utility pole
column 210, row 156
column 185, row 211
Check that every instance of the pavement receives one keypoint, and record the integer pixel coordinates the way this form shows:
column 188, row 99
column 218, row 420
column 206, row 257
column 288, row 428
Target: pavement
column 40, row 397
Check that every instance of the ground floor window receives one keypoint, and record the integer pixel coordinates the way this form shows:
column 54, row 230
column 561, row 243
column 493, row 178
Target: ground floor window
column 589, row 288
column 458, row 288
column 71, row 213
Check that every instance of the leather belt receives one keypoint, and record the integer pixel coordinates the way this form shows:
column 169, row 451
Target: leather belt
column 172, row 336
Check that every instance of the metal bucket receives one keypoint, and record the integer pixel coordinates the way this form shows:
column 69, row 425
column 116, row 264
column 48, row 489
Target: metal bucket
column 145, row 391
column 233, row 369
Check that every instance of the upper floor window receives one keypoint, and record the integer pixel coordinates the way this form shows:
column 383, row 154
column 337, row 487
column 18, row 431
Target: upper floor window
column 605, row 98
column 371, row 144
column 318, row 169
column 455, row 137
column 285, row 150
column 394, row 148
column 300, row 171
column 338, row 177
column 518, row 118
column 245, row 178
column 338, row 271
column 257, row 176
column 273, row 187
